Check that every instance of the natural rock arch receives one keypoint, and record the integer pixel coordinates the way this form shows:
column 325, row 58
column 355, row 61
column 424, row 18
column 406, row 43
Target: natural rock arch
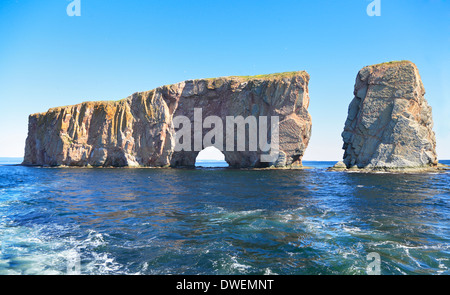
column 140, row 131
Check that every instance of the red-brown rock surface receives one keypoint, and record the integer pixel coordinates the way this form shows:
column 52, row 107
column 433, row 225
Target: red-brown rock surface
column 139, row 130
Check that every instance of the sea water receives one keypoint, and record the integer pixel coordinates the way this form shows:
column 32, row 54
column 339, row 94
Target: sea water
column 221, row 221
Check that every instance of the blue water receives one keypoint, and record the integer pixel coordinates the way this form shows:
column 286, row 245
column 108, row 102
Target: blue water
column 222, row 221
column 211, row 164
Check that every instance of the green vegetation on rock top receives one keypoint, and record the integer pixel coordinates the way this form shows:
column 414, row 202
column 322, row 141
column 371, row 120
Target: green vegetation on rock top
column 274, row 75
column 394, row 62
column 264, row 76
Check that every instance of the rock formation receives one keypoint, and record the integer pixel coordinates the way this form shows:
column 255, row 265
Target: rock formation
column 389, row 123
column 139, row 130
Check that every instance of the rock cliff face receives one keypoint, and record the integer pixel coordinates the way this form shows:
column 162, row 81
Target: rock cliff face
column 139, row 130
column 389, row 123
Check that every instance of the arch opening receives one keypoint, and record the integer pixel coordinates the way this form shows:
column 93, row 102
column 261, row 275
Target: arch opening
column 211, row 157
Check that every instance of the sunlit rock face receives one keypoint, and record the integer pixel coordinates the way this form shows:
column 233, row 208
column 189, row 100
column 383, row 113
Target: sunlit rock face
column 139, row 130
column 389, row 123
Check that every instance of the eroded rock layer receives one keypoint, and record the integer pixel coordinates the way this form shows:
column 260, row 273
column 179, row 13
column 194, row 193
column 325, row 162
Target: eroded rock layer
column 389, row 123
column 139, row 130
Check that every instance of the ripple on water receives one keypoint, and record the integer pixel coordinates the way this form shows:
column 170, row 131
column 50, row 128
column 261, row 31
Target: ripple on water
column 221, row 221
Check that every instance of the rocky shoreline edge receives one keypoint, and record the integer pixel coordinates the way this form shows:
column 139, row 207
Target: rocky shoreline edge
column 341, row 167
column 338, row 167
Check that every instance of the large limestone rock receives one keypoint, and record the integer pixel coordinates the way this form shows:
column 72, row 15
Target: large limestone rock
column 139, row 130
column 389, row 123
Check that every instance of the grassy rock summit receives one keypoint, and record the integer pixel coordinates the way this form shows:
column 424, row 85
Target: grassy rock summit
column 389, row 123
column 139, row 130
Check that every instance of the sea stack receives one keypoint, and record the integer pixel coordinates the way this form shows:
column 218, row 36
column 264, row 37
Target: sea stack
column 389, row 123
column 139, row 131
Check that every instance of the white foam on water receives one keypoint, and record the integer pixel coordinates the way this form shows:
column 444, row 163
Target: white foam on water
column 412, row 258
column 269, row 272
column 442, row 267
column 325, row 213
column 247, row 212
column 352, row 229
column 243, row 268
column 437, row 247
column 231, row 216
column 102, row 263
column 38, row 250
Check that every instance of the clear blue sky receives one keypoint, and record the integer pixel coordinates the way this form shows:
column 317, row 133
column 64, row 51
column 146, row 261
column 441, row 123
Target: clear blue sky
column 116, row 48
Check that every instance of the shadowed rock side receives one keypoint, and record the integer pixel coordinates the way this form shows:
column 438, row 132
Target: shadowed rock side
column 389, row 123
column 138, row 130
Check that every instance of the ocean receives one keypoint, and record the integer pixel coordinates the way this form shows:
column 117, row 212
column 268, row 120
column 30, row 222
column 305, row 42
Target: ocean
column 221, row 221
